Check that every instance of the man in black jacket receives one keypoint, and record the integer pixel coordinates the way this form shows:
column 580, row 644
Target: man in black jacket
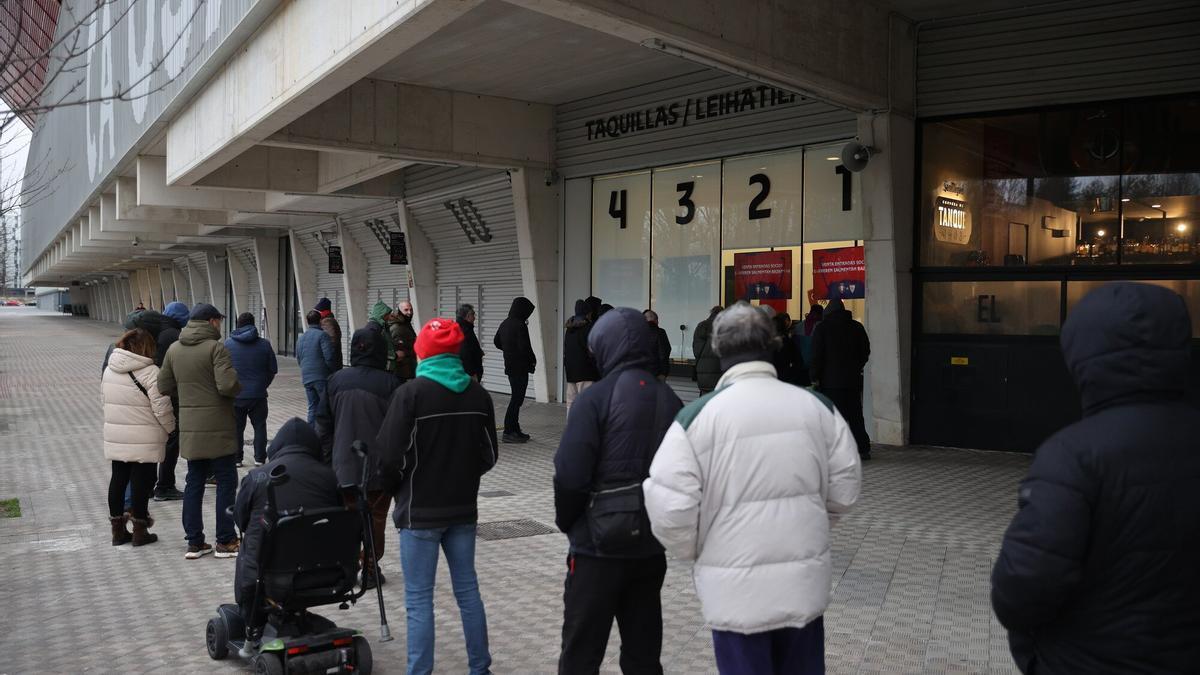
column 175, row 317
column 840, row 351
column 611, row 436
column 352, row 409
column 1097, row 572
column 578, row 363
column 311, row 485
column 662, row 347
column 708, row 364
column 436, row 441
column 471, row 352
column 512, row 338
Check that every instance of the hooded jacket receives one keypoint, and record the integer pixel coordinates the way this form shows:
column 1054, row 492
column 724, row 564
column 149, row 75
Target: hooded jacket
column 613, row 429
column 148, row 320
column 315, row 355
column 840, row 350
column 354, row 405
column 1097, row 572
column 199, row 372
column 254, row 360
column 329, row 324
column 471, row 352
column 136, row 424
column 377, row 321
column 403, row 338
column 432, row 448
column 577, row 361
column 512, row 338
column 708, row 364
column 311, row 485
column 175, row 317
column 743, row 484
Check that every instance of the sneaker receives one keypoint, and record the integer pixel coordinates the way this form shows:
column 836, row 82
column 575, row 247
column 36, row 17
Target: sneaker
column 211, row 480
column 258, row 463
column 168, row 495
column 513, row 438
column 194, row 552
column 229, row 550
column 240, row 464
column 524, row 435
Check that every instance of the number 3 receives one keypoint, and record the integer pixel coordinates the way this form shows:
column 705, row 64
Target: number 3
column 686, row 202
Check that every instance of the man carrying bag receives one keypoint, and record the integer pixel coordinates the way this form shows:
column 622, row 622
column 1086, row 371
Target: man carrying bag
column 615, row 568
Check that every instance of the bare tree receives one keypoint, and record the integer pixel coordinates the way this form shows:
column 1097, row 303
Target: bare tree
column 44, row 66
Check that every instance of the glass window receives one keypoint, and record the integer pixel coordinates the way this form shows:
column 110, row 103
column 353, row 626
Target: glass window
column 832, row 197
column 686, row 240
column 835, row 269
column 991, row 307
column 1188, row 288
column 621, row 239
column 762, row 200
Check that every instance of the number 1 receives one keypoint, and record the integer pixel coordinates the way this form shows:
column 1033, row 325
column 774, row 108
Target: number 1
column 846, row 183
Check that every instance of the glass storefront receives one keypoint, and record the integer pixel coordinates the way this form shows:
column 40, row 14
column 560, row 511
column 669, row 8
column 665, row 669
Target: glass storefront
column 781, row 228
column 1019, row 216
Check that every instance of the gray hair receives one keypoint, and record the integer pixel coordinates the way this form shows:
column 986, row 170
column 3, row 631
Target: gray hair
column 743, row 329
column 463, row 310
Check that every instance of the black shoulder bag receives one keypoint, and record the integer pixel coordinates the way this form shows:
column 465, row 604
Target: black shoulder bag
column 139, row 386
column 616, row 516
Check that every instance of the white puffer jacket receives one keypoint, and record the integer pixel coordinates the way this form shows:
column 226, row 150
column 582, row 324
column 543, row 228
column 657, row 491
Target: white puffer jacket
column 743, row 484
column 135, row 424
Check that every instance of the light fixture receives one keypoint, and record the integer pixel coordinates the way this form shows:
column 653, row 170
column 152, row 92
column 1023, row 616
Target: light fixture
column 1125, row 199
column 1182, row 227
column 1099, row 233
column 1156, row 206
column 833, row 159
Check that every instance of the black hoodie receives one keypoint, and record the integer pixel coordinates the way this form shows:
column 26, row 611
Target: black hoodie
column 614, row 428
column 1098, row 570
column 311, row 485
column 355, row 401
column 577, row 361
column 512, row 338
column 840, row 350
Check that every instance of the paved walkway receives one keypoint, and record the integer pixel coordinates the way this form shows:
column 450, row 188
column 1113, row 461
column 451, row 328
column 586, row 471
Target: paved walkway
column 912, row 561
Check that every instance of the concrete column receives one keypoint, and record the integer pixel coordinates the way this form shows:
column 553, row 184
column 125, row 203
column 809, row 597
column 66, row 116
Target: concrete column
column 216, row 282
column 305, row 273
column 354, row 281
column 536, row 207
column 422, row 266
column 266, row 251
column 170, row 294
column 106, row 293
column 239, row 276
column 114, row 286
column 154, row 274
column 887, row 195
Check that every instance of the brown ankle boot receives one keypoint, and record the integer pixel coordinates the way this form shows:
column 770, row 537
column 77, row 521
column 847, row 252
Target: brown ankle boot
column 119, row 534
column 140, row 534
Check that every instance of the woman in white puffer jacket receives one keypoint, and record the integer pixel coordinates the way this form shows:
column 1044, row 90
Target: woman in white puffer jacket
column 137, row 420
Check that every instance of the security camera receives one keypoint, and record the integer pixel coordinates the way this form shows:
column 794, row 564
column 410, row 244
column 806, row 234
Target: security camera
column 136, row 241
column 550, row 176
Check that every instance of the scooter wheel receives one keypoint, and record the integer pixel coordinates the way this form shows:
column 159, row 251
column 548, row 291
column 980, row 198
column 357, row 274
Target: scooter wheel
column 216, row 638
column 362, row 655
column 268, row 664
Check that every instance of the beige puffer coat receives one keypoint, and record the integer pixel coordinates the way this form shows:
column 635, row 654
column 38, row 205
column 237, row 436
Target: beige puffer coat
column 135, row 424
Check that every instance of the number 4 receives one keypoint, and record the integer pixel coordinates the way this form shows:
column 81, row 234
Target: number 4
column 616, row 210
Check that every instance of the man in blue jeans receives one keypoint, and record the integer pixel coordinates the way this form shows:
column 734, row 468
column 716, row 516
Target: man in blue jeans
column 454, row 444
column 199, row 370
column 256, row 366
column 315, row 356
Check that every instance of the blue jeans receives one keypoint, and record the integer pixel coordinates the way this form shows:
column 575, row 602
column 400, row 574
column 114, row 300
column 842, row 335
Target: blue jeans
column 314, row 391
column 418, row 558
column 223, row 469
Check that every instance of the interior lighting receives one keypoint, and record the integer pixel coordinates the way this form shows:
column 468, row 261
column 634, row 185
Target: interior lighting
column 1125, row 199
column 1099, row 233
column 1156, row 206
column 833, row 159
column 1182, row 227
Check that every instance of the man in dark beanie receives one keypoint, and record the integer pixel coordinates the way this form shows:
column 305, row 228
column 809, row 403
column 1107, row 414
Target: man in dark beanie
column 1097, row 572
column 355, row 401
column 437, row 507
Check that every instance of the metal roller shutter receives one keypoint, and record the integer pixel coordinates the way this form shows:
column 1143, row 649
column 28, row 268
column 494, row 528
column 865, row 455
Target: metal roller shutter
column 198, row 266
column 484, row 274
column 184, row 289
column 385, row 281
column 1059, row 53
column 328, row 285
column 243, row 254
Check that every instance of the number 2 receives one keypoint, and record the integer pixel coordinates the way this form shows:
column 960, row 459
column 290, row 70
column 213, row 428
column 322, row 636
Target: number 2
column 760, row 179
column 616, row 210
column 686, row 202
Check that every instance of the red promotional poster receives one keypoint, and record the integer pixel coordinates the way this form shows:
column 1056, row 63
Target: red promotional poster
column 766, row 275
column 839, row 273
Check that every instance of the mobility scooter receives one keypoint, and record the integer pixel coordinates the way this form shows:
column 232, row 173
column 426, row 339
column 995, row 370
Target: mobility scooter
column 307, row 559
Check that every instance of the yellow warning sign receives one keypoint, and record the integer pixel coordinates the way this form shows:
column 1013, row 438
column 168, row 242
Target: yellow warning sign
column 959, row 361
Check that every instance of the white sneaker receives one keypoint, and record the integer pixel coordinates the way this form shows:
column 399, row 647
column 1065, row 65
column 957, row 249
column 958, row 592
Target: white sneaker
column 195, row 552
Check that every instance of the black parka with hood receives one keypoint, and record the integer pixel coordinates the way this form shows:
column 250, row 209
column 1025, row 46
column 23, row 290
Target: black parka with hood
column 512, row 338
column 614, row 428
column 1098, row 570
column 577, row 361
column 311, row 484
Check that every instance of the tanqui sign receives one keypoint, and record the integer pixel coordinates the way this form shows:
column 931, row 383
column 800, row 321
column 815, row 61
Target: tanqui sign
column 680, row 113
